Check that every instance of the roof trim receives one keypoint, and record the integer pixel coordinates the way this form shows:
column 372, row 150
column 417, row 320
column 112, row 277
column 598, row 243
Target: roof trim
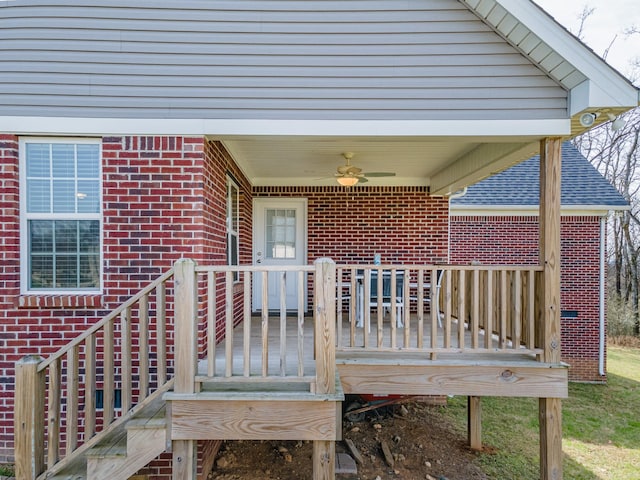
column 531, row 210
column 603, row 87
column 229, row 127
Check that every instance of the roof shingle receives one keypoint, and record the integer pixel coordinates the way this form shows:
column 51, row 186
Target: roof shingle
column 582, row 185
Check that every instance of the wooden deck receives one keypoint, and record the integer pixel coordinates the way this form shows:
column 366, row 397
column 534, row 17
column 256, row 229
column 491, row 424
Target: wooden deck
column 405, row 370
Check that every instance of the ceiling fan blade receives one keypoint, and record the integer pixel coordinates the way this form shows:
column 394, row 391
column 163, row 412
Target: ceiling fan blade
column 362, row 180
column 380, row 174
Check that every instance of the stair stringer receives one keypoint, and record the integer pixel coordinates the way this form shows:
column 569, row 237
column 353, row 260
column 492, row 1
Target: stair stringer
column 145, row 441
column 74, row 466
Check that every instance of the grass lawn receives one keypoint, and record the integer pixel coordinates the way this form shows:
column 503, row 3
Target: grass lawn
column 601, row 427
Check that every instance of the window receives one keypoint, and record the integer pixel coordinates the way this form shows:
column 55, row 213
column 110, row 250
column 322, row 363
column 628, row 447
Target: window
column 233, row 223
column 60, row 215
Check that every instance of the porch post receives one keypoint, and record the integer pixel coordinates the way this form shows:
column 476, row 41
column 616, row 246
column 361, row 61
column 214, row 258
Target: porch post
column 186, row 359
column 324, row 305
column 550, row 409
column 29, row 418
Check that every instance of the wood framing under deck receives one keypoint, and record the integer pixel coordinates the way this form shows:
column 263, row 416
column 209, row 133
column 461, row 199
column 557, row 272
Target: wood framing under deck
column 408, row 375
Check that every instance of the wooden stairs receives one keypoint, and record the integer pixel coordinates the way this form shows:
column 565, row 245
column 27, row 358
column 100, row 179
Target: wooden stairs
column 119, row 452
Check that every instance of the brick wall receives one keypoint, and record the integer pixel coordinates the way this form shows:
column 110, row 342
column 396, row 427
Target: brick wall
column 163, row 198
column 514, row 240
column 403, row 224
column 10, row 327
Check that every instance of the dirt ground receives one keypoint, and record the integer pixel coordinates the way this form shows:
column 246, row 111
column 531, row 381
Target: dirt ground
column 421, row 445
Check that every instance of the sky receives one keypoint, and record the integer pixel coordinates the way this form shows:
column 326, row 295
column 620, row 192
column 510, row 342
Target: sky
column 609, row 18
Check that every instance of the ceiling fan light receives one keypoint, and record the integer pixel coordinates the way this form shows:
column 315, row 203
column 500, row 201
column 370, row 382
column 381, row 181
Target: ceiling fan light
column 347, row 181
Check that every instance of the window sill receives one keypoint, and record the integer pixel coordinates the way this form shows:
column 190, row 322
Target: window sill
column 60, row 301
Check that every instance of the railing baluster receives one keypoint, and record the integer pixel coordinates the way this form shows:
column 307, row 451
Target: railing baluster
column 531, row 311
column 406, row 309
column 143, row 336
column 283, row 323
column 393, row 312
column 73, row 376
column 447, row 308
column 488, row 324
column 435, row 314
column 353, row 308
column 517, row 311
column 212, row 317
column 301, row 300
column 89, row 388
column 339, row 305
column 462, row 291
column 420, row 308
column 379, row 308
column 265, row 324
column 503, row 310
column 475, row 314
column 366, row 311
column 161, row 334
column 246, row 325
column 228, row 332
column 125, row 366
column 108, row 375
column 53, row 416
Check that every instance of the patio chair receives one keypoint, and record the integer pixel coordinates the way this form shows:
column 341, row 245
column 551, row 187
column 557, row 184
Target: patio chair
column 384, row 300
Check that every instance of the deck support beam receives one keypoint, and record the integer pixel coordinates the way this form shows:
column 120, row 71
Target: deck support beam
column 474, row 422
column 550, row 409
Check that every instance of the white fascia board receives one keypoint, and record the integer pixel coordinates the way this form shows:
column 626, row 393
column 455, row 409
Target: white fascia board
column 530, row 210
column 234, row 127
column 618, row 90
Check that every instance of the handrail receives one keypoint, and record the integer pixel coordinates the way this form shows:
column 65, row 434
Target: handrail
column 103, row 356
column 111, row 316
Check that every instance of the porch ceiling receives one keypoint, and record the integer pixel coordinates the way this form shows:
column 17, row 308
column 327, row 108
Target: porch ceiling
column 445, row 164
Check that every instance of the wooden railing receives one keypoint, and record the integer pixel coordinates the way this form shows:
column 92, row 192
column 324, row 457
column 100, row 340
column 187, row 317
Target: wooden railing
column 56, row 398
column 438, row 308
column 283, row 349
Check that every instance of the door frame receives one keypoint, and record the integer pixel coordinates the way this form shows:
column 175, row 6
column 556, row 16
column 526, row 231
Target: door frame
column 260, row 203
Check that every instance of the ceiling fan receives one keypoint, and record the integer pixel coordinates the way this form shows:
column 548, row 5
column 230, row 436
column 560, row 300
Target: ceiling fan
column 348, row 175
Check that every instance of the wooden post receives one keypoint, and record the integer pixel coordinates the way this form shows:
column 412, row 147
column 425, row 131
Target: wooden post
column 186, row 359
column 550, row 409
column 474, row 423
column 324, row 462
column 325, row 325
column 29, row 418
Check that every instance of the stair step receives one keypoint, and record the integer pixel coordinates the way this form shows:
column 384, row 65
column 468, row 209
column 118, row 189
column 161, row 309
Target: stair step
column 113, row 448
column 146, row 423
column 108, row 451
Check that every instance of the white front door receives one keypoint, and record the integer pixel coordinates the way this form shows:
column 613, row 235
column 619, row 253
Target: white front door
column 279, row 238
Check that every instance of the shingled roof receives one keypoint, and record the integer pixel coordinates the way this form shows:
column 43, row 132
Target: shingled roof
column 583, row 187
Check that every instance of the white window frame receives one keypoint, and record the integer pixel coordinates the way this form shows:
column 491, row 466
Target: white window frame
column 25, row 217
column 230, row 186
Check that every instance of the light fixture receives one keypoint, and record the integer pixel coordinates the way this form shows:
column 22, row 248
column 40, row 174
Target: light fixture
column 588, row 119
column 617, row 122
column 347, row 181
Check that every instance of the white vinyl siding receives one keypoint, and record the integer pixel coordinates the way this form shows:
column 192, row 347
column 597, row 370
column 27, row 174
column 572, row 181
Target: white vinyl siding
column 266, row 59
column 61, row 203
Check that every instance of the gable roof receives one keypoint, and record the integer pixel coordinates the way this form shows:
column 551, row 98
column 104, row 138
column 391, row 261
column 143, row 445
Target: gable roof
column 449, row 90
column 517, row 188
